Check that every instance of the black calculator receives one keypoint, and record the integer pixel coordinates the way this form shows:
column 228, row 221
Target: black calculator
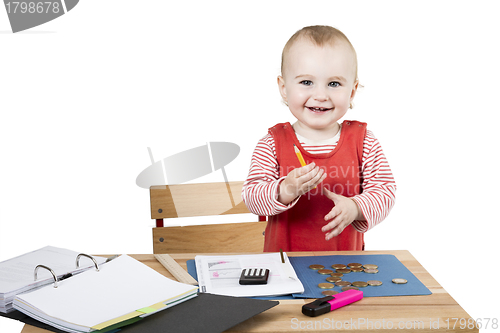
column 254, row 276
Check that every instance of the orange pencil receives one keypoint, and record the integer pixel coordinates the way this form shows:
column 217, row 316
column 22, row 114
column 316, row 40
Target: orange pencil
column 299, row 155
column 301, row 158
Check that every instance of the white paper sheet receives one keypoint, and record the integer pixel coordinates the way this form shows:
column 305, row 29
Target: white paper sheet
column 220, row 275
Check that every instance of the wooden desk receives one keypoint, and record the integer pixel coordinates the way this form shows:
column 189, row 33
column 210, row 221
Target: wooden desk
column 429, row 313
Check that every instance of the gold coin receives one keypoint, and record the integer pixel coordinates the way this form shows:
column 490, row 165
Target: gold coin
column 361, row 284
column 349, row 288
column 399, row 281
column 326, row 285
column 370, row 266
column 333, row 279
column 371, row 271
column 329, row 292
column 337, row 274
column 374, row 283
column 325, row 271
column 316, row 267
column 343, row 283
column 357, row 269
column 339, row 266
column 354, row 264
column 343, row 270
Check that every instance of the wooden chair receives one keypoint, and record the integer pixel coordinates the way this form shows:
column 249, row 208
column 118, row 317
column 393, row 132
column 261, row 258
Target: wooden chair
column 188, row 200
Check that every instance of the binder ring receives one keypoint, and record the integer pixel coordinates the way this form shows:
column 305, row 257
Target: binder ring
column 50, row 270
column 86, row 255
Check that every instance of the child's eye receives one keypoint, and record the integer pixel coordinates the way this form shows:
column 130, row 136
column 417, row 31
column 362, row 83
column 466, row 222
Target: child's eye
column 334, row 84
column 306, row 82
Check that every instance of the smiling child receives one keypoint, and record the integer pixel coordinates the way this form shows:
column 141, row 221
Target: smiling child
column 346, row 187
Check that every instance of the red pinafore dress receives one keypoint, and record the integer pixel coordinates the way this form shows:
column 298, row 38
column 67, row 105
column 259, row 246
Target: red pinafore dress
column 299, row 228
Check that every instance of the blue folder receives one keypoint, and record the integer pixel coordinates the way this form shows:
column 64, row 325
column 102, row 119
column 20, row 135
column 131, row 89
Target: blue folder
column 389, row 267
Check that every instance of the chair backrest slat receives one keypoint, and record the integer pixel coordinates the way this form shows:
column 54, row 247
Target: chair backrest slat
column 186, row 200
column 189, row 200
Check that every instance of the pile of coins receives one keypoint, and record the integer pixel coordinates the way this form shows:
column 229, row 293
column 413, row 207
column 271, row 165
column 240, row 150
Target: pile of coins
column 335, row 277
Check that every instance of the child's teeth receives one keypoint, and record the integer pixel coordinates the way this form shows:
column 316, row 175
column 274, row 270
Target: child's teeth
column 318, row 109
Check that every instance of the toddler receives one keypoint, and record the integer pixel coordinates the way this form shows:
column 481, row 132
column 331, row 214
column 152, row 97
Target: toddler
column 344, row 186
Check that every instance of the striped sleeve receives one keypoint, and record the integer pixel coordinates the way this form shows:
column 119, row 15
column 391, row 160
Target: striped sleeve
column 260, row 190
column 379, row 188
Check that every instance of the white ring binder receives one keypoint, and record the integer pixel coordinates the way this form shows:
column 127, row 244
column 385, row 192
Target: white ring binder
column 50, row 270
column 86, row 255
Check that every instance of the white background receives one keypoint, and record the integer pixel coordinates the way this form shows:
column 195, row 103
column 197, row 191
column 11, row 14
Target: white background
column 83, row 96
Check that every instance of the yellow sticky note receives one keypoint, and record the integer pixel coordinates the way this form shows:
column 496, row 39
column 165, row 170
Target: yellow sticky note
column 147, row 310
column 117, row 320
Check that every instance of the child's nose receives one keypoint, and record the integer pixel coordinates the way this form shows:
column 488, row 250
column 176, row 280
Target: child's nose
column 320, row 94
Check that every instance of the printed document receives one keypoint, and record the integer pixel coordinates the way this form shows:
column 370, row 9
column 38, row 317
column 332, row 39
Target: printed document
column 220, row 275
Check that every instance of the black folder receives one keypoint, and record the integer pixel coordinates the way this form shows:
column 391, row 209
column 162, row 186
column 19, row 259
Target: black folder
column 206, row 313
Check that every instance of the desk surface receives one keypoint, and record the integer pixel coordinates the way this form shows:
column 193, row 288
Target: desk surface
column 429, row 313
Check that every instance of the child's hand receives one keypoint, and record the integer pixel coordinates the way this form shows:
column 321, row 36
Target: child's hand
column 300, row 181
column 344, row 213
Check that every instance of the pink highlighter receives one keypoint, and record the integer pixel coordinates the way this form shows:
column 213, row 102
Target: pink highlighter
column 330, row 303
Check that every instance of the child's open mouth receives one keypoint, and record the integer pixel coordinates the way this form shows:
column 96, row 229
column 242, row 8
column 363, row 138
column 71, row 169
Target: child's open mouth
column 314, row 109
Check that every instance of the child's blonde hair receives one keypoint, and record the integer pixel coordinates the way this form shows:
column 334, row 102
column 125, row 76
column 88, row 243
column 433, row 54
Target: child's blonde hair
column 319, row 35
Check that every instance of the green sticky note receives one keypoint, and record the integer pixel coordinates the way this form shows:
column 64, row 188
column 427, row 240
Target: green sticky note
column 147, row 310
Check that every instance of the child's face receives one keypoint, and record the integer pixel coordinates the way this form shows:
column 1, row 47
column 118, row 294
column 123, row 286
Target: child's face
column 318, row 83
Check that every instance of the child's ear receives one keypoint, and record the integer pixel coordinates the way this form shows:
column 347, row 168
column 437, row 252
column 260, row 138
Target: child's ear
column 282, row 88
column 354, row 90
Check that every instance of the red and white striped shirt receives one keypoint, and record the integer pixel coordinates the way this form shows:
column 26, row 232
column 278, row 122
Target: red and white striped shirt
column 260, row 190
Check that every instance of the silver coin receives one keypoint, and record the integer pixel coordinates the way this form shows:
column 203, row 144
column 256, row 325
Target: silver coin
column 374, row 282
